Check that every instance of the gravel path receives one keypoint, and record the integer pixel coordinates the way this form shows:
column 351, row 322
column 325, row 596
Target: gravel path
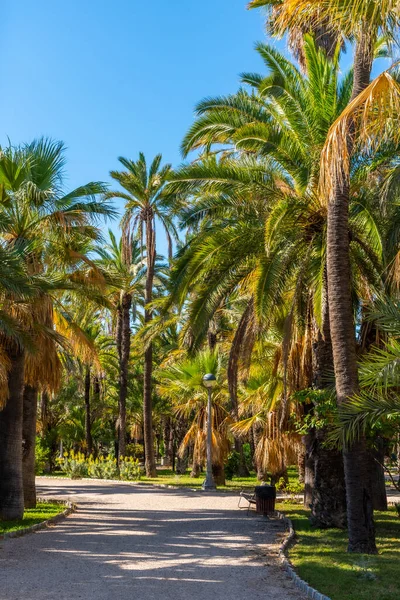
column 146, row 543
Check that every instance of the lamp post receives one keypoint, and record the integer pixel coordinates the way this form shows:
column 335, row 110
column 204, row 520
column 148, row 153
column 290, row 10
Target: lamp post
column 209, row 381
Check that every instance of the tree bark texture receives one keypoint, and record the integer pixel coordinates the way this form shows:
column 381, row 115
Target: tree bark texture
column 359, row 502
column 377, row 475
column 232, row 372
column 28, row 445
column 328, row 498
column 88, row 415
column 150, row 463
column 11, row 482
column 309, row 467
column 126, row 303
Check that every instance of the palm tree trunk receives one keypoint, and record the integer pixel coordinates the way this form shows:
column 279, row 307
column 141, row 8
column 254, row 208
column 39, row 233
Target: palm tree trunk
column 328, row 502
column 29, row 442
column 88, row 416
column 377, row 474
column 232, row 372
column 309, row 467
column 359, row 501
column 11, row 482
column 167, row 439
column 150, row 463
column 126, row 304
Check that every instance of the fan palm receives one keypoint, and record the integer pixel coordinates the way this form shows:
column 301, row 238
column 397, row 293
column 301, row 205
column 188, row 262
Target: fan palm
column 49, row 228
column 182, row 384
column 126, row 291
column 145, row 202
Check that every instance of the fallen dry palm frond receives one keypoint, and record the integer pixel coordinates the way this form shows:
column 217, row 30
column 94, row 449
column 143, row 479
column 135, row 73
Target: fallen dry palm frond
column 367, row 123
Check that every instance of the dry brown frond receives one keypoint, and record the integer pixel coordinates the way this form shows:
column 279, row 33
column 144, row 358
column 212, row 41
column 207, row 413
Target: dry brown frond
column 82, row 346
column 372, row 118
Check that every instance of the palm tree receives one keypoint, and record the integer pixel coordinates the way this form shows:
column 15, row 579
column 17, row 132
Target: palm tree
column 323, row 29
column 146, row 202
column 49, row 229
column 286, row 124
column 182, row 384
column 126, row 290
column 362, row 21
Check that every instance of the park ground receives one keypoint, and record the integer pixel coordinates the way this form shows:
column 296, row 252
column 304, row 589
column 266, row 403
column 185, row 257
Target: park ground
column 144, row 542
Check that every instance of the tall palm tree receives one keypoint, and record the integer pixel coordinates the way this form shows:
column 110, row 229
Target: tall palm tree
column 47, row 226
column 363, row 20
column 146, row 201
column 126, row 292
column 286, row 125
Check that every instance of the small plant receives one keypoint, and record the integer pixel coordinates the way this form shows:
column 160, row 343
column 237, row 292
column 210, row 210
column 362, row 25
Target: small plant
column 104, row 467
column 232, row 465
column 74, row 464
column 42, row 456
column 129, row 468
column 291, row 490
column 135, row 450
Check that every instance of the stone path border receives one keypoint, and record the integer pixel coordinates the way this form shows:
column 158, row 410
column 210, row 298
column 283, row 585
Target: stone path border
column 71, row 507
column 287, row 565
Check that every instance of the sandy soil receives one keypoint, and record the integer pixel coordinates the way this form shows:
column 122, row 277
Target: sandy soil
column 145, row 543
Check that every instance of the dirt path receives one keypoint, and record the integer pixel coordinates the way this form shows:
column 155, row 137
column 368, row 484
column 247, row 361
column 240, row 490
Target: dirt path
column 144, row 543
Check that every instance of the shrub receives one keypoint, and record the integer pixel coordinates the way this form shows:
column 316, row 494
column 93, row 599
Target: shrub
column 129, row 468
column 74, row 464
column 135, row 450
column 103, row 467
column 232, row 465
column 291, row 490
column 42, row 456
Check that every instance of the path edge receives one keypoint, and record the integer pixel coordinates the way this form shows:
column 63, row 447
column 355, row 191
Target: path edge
column 287, row 565
column 70, row 508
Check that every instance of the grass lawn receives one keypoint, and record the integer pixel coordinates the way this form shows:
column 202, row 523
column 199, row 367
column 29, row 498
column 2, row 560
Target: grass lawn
column 167, row 476
column 32, row 516
column 320, row 559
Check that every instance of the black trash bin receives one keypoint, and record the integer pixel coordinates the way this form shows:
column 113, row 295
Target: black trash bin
column 265, row 499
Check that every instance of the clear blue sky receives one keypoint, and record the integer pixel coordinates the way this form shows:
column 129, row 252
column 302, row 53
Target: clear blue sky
column 114, row 78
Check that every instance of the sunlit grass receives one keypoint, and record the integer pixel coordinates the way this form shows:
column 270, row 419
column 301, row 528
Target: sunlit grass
column 167, row 477
column 32, row 516
column 321, row 559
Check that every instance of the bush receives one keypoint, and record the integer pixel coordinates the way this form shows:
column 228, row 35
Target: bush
column 248, row 457
column 103, row 467
column 291, row 490
column 232, row 465
column 129, row 468
column 135, row 450
column 42, row 456
column 74, row 464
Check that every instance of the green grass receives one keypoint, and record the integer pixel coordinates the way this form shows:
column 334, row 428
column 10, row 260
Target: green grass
column 166, row 476
column 32, row 516
column 321, row 559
